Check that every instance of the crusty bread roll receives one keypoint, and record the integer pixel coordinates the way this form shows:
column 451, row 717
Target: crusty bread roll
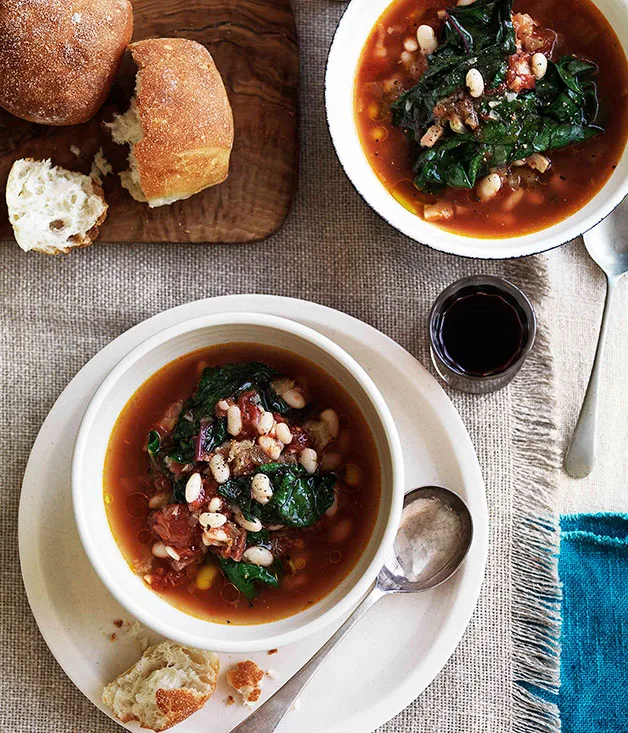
column 53, row 210
column 167, row 684
column 179, row 125
column 58, row 57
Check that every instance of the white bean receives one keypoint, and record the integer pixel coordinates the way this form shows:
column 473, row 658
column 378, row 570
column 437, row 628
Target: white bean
column 475, row 83
column 259, row 556
column 270, row 446
column 538, row 162
column 265, row 423
column 538, row 63
column 159, row 550
column 219, row 468
column 411, row 44
column 234, row 420
column 173, row 553
column 250, row 525
column 282, row 431
column 212, row 519
column 211, row 536
column 330, row 419
column 426, row 39
column 282, row 385
column 464, row 3
column 193, row 487
column 309, row 460
column 223, row 405
column 489, row 186
column 294, row 399
column 406, row 57
column 261, row 489
column 215, row 505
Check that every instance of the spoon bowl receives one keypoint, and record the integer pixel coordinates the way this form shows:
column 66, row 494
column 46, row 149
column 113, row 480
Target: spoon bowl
column 433, row 539
column 454, row 536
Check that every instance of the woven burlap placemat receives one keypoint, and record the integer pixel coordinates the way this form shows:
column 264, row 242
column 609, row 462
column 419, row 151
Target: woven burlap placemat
column 57, row 313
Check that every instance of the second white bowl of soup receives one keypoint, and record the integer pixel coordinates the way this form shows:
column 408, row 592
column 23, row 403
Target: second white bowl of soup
column 483, row 129
column 237, row 482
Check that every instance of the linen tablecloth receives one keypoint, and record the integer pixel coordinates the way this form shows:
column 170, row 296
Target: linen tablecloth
column 57, row 313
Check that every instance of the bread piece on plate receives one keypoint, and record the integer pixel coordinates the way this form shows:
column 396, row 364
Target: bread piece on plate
column 51, row 209
column 167, row 684
column 246, row 678
column 58, row 58
column 179, row 125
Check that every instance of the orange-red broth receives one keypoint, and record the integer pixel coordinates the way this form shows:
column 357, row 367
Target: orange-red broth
column 327, row 551
column 577, row 172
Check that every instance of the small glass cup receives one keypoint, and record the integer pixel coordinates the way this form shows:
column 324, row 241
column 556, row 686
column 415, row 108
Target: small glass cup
column 451, row 372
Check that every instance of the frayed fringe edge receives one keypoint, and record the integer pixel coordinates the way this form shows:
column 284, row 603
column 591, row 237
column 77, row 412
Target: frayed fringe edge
column 536, row 594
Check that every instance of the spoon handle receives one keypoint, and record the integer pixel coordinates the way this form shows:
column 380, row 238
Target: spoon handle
column 581, row 454
column 268, row 716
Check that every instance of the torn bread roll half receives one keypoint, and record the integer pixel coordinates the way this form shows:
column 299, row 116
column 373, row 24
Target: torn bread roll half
column 166, row 685
column 179, row 125
column 53, row 210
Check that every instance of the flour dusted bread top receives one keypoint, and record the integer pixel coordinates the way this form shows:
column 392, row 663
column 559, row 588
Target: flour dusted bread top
column 167, row 684
column 179, row 125
column 51, row 209
column 58, row 58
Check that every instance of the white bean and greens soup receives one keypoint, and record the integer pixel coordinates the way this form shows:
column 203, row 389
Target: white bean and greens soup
column 241, row 490
column 493, row 119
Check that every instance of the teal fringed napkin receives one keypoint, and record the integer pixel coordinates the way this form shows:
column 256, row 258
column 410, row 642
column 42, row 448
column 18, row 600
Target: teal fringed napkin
column 593, row 568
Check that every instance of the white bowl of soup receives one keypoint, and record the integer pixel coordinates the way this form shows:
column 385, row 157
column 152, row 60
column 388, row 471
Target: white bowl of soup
column 481, row 128
column 237, row 481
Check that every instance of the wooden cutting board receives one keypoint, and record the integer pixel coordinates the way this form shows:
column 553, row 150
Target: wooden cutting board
column 254, row 45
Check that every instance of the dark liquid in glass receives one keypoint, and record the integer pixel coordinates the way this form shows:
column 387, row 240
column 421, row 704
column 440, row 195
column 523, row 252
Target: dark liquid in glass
column 481, row 330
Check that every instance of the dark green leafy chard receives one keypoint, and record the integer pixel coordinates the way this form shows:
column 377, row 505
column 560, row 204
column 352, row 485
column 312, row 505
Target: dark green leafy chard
column 560, row 111
column 299, row 499
column 153, row 448
column 218, row 383
column 244, row 575
column 479, row 36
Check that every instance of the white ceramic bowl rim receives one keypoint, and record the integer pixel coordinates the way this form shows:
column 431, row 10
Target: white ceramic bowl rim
column 263, row 640
column 351, row 34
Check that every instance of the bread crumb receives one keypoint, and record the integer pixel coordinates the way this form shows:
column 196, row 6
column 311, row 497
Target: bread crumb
column 136, row 633
column 273, row 651
column 75, row 150
column 101, row 167
column 296, row 704
column 246, row 678
column 118, row 623
column 272, row 673
column 230, row 700
column 113, row 637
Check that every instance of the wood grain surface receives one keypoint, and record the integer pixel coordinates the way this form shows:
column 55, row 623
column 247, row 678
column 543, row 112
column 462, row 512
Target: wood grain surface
column 254, row 45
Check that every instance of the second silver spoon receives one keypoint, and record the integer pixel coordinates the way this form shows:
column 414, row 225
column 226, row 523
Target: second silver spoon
column 432, row 517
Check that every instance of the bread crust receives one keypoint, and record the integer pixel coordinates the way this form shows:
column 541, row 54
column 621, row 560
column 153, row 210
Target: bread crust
column 186, row 118
column 58, row 58
column 174, row 704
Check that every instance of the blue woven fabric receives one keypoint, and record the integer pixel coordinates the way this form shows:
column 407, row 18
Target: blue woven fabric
column 593, row 568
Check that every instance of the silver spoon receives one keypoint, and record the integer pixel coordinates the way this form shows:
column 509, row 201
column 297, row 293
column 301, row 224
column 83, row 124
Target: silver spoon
column 408, row 570
column 607, row 244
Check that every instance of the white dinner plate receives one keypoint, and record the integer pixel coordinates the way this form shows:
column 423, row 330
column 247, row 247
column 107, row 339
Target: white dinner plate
column 385, row 662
